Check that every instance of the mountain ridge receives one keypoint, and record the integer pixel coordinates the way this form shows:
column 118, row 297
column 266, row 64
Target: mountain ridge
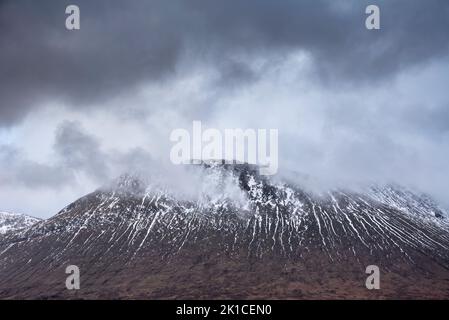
column 134, row 231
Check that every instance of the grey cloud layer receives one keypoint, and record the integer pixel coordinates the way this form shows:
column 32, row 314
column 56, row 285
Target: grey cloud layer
column 75, row 152
column 121, row 46
column 363, row 105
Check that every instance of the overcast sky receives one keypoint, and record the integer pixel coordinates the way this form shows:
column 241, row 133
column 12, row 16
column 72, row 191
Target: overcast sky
column 78, row 108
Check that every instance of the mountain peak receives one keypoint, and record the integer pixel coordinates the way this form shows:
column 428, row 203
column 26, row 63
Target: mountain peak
column 128, row 183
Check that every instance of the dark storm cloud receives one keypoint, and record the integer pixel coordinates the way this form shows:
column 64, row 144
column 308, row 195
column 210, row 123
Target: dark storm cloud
column 79, row 151
column 124, row 44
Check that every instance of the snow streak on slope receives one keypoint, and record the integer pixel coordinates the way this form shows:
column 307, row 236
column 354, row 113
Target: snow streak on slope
column 238, row 230
column 240, row 212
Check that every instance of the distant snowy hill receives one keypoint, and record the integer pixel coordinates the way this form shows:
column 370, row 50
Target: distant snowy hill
column 15, row 221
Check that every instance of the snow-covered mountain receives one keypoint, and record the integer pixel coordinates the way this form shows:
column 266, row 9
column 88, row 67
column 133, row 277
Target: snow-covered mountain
column 15, row 221
column 244, row 236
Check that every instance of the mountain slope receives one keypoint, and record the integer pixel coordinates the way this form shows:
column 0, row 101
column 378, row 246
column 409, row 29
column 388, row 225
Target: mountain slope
column 246, row 236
